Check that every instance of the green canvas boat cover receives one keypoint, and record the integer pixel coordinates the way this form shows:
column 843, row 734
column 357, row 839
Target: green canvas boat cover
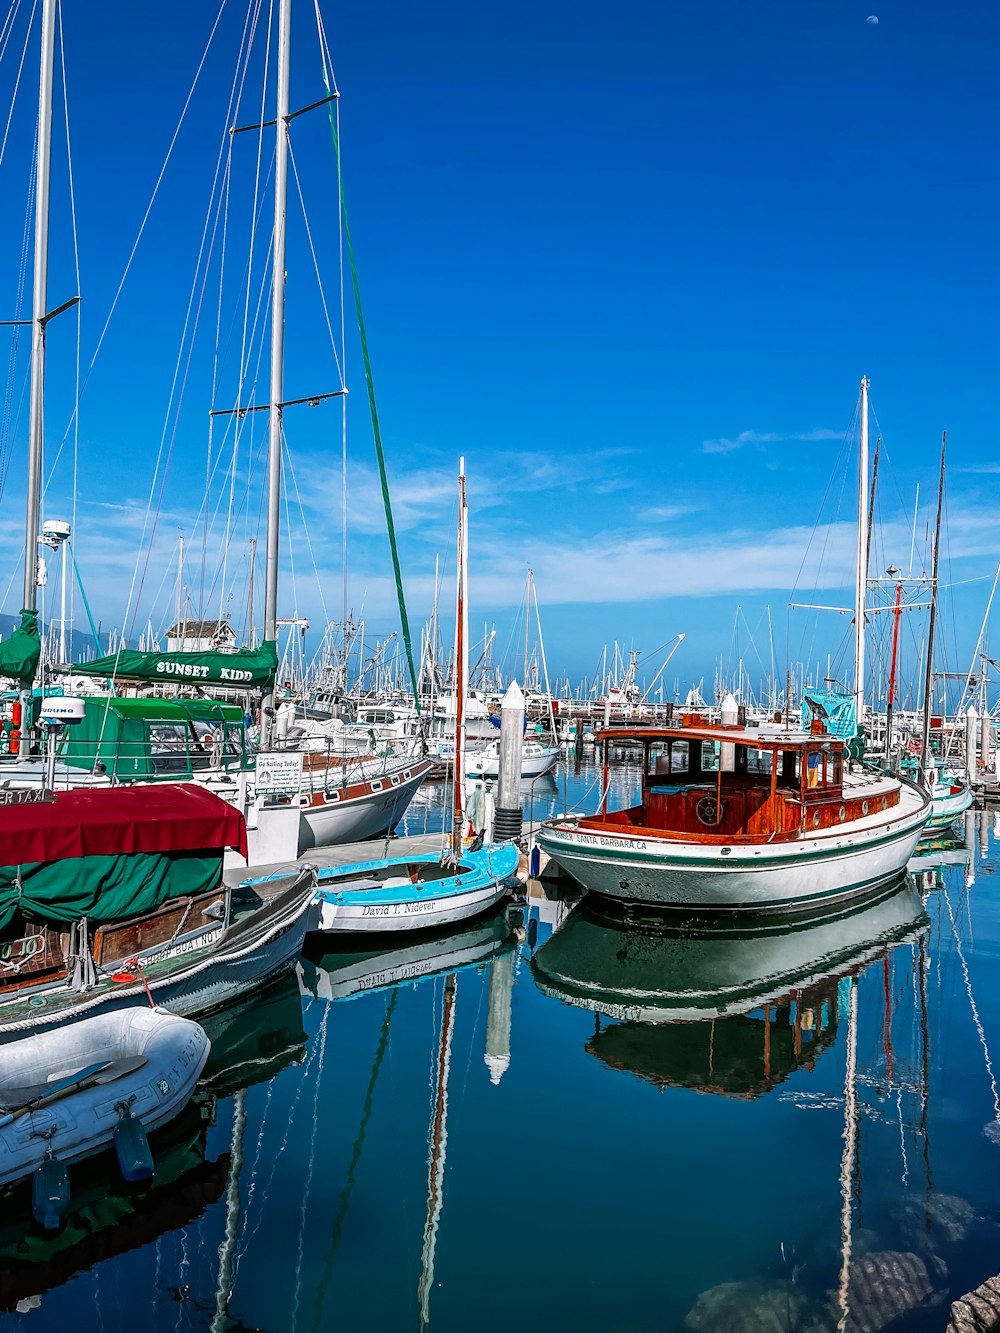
column 109, row 853
column 20, row 652
column 244, row 668
column 104, row 888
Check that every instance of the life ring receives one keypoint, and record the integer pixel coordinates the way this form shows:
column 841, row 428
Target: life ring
column 914, row 746
column 709, row 810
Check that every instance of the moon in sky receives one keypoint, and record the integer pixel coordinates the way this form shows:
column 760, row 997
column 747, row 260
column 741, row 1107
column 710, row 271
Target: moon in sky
column 873, row 20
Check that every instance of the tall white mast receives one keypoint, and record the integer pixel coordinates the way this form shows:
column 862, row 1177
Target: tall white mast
column 277, row 349
column 861, row 587
column 39, row 299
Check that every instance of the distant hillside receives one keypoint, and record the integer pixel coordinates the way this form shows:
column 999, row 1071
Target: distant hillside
column 81, row 645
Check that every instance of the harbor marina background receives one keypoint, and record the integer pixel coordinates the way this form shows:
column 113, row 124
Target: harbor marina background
column 650, row 1173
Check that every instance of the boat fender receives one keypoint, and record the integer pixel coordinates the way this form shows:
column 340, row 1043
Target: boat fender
column 50, row 1193
column 534, row 862
column 15, row 727
column 135, row 1160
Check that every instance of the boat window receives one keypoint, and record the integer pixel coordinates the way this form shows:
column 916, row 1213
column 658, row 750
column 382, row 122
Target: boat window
column 659, row 760
column 759, row 762
column 710, row 751
column 790, row 769
column 680, row 757
column 834, row 764
column 815, row 775
column 168, row 747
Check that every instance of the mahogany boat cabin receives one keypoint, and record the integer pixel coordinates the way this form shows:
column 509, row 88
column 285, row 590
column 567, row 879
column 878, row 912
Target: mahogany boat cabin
column 706, row 783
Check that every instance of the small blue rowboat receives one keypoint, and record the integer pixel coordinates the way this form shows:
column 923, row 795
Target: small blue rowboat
column 414, row 892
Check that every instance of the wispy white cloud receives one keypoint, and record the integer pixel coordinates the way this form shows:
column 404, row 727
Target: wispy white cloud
column 759, row 437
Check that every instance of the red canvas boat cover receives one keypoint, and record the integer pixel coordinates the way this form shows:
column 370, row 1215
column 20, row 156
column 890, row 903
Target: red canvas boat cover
column 112, row 821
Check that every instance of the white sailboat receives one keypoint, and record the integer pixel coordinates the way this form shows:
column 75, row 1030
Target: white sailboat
column 431, row 890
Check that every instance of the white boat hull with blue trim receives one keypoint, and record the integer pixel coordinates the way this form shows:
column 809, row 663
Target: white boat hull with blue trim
column 413, row 892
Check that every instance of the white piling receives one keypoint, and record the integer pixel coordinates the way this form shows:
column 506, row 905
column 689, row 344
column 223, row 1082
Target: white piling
column 971, row 720
column 507, row 818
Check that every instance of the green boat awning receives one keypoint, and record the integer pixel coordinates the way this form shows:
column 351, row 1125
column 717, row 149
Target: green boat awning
column 20, row 652
column 244, row 668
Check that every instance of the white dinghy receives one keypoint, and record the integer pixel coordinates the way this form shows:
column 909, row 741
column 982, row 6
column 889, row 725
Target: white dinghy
column 70, row 1092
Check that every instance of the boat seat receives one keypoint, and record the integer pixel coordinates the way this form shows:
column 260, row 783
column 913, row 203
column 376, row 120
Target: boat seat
column 669, row 791
column 350, row 885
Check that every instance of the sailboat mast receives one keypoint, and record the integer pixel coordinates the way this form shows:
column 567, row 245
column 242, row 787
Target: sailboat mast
column 461, row 673
column 277, row 349
column 39, row 298
column 861, row 587
column 527, row 629
column 896, row 612
column 925, row 745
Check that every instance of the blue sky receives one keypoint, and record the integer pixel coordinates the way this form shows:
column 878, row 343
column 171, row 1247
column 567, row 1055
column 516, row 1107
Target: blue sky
column 630, row 261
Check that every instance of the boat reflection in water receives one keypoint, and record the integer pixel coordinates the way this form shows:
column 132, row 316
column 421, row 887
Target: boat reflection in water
column 346, row 972
column 251, row 1042
column 733, row 1011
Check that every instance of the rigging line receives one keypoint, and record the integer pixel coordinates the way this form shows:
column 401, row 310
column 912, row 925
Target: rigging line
column 172, row 407
column 355, row 1160
column 370, row 384
column 236, row 99
column 257, row 195
column 17, row 82
column 288, row 529
column 79, row 321
column 313, row 1052
column 972, row 1005
column 305, row 527
column 76, row 270
column 222, row 210
column 7, row 429
column 8, row 27
column 315, row 260
column 149, row 207
column 307, row 1184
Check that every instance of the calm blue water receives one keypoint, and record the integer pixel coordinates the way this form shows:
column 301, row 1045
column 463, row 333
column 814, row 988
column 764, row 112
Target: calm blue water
column 556, row 1122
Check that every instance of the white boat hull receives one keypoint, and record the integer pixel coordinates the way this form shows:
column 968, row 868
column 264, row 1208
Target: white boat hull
column 332, row 821
column 429, row 915
column 832, row 866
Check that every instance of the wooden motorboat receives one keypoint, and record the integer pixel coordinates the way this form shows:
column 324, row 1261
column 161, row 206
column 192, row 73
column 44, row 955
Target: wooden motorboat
column 742, row 819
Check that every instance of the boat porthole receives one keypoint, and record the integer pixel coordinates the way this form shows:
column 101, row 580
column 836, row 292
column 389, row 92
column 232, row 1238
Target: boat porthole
column 303, row 800
column 815, row 819
column 864, row 807
column 843, row 813
column 726, row 851
column 885, row 803
column 376, row 786
column 406, row 775
column 333, row 796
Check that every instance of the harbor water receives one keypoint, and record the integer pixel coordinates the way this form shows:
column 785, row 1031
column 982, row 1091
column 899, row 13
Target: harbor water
column 559, row 1119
